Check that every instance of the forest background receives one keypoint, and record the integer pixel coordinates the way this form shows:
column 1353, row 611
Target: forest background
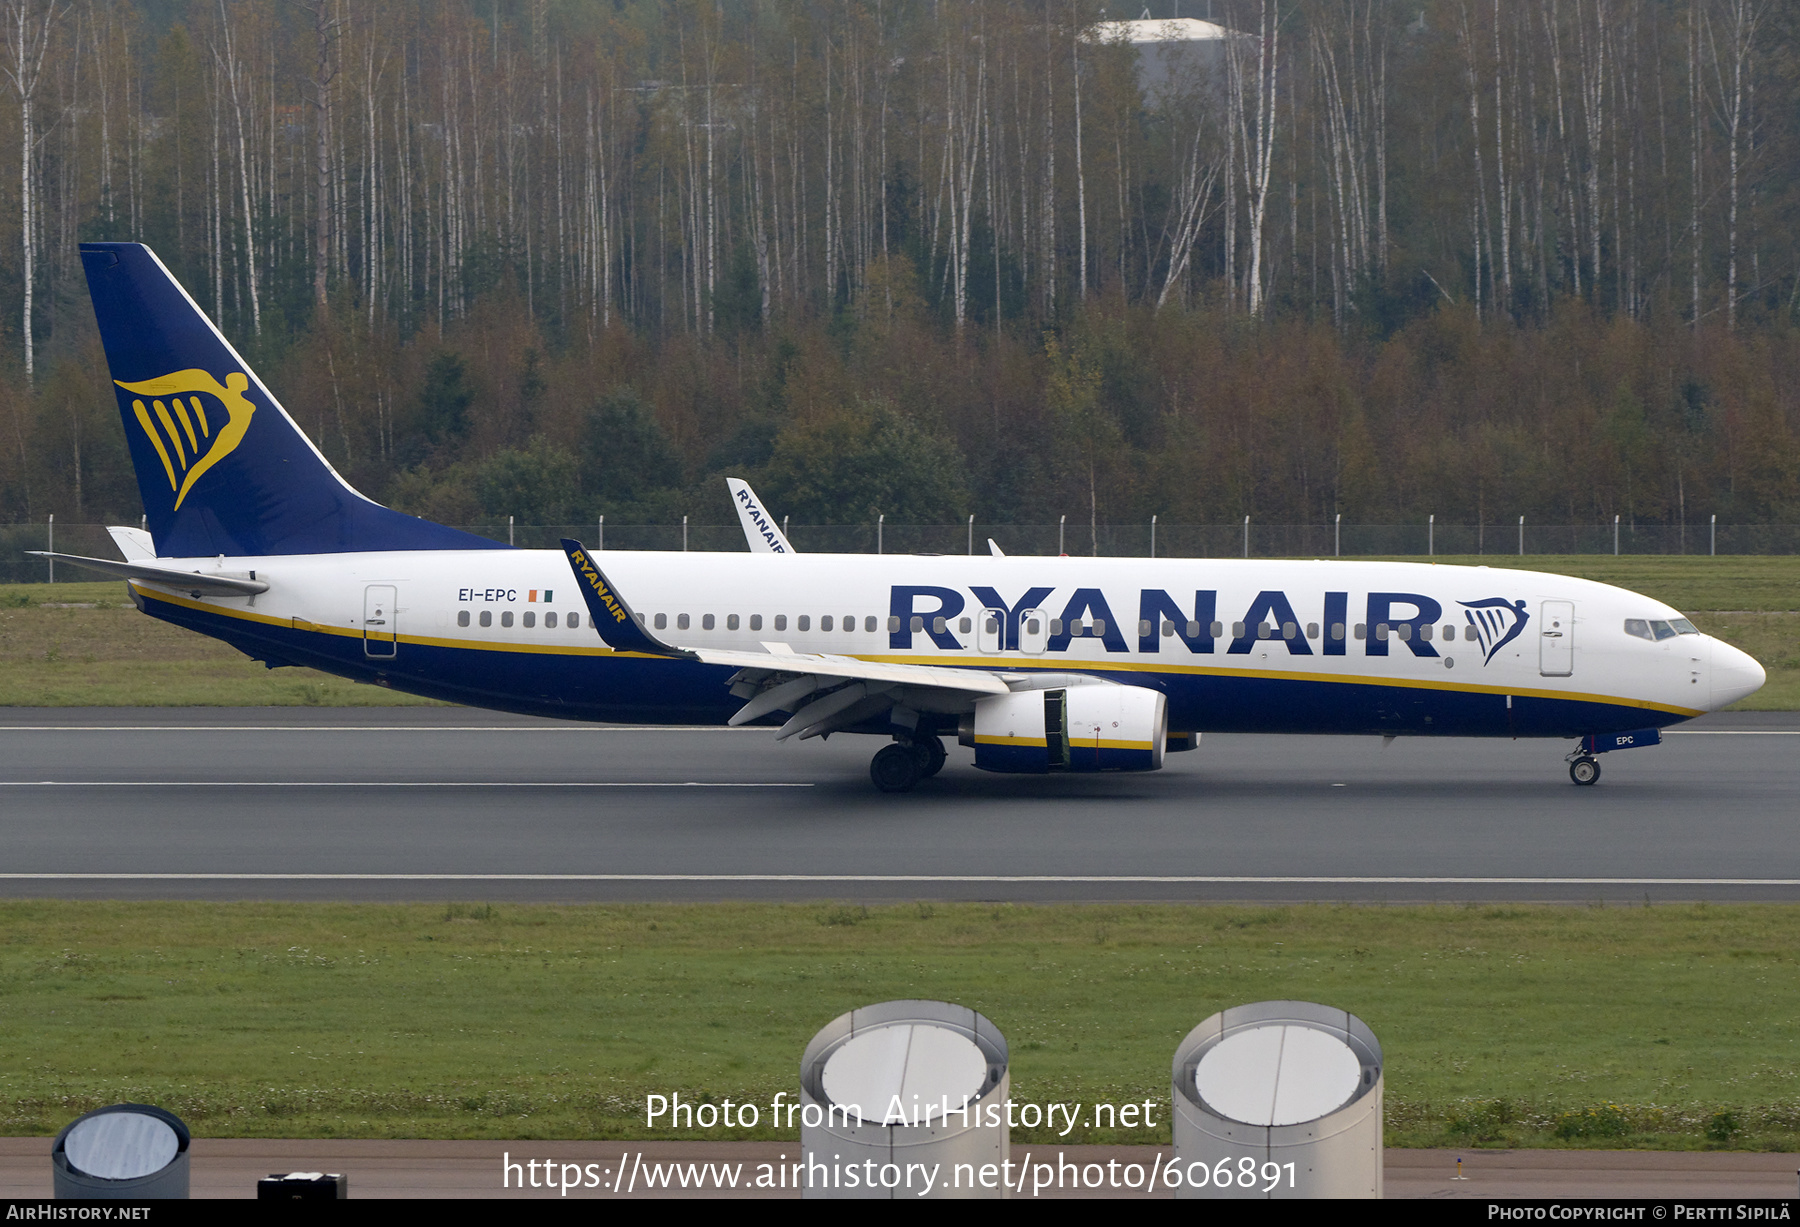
column 926, row 259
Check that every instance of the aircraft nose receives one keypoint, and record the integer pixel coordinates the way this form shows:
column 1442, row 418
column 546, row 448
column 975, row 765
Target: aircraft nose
column 1735, row 675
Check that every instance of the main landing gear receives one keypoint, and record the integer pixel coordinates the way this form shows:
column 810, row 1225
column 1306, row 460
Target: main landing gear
column 897, row 767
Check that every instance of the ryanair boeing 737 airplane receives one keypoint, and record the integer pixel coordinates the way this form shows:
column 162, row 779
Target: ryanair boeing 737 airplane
column 1037, row 664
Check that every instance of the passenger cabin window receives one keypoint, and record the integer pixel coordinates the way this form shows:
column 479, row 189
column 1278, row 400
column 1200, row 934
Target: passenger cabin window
column 1449, row 632
column 1289, row 630
column 825, row 623
column 755, row 622
column 780, row 622
column 462, row 617
column 803, row 623
column 850, row 623
column 1425, row 632
column 1337, row 630
column 893, row 623
column 1218, row 629
column 731, row 622
column 662, row 621
column 487, row 617
column 918, row 624
column 1237, row 630
column 530, row 618
column 574, row 620
column 1362, row 630
column 965, row 626
column 1312, row 630
column 550, row 621
column 681, row 622
column 869, row 624
column 506, row 618
column 706, row 622
column 1055, row 626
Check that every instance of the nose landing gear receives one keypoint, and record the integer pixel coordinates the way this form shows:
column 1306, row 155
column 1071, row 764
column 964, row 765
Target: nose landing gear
column 1584, row 770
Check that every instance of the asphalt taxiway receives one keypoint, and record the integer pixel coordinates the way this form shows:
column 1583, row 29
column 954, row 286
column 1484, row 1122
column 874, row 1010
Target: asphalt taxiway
column 442, row 803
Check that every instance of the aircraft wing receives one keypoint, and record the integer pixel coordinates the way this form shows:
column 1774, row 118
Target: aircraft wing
column 759, row 525
column 824, row 693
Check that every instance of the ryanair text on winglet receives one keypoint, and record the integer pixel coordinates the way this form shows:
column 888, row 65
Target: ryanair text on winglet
column 598, row 585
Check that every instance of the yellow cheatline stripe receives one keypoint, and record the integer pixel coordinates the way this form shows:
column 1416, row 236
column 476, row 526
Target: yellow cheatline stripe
column 1082, row 743
column 1001, row 665
column 350, row 632
column 991, row 740
column 1016, row 665
column 143, row 417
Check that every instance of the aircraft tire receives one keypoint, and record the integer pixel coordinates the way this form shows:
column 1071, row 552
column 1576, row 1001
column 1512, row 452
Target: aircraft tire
column 1585, row 771
column 931, row 756
column 895, row 768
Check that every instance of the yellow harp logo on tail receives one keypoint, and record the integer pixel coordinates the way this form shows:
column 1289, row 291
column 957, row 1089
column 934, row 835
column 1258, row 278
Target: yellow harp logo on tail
column 188, row 437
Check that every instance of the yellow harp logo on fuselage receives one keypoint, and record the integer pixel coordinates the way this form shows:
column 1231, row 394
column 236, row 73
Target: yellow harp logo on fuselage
column 186, row 439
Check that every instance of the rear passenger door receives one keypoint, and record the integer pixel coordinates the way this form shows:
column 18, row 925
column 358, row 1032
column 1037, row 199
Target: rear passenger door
column 381, row 622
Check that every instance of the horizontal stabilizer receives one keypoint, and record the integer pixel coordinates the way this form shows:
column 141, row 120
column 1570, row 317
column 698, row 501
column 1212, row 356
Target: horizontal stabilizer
column 196, row 582
column 134, row 543
column 623, row 630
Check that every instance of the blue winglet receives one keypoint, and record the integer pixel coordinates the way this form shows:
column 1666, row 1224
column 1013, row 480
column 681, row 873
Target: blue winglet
column 622, row 630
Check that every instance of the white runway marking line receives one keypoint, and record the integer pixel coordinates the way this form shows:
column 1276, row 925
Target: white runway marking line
column 1023, row 879
column 371, row 728
column 390, row 784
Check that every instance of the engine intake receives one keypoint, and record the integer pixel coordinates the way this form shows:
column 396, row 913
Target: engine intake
column 1081, row 728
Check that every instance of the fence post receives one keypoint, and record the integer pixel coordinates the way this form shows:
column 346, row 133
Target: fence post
column 603, row 532
column 684, row 534
column 1062, row 525
column 1521, row 536
column 1711, row 549
column 1153, row 536
column 971, row 536
column 880, row 526
column 1246, row 536
column 1337, row 536
column 509, row 530
column 53, row 546
column 1431, row 535
column 784, row 531
column 1615, row 534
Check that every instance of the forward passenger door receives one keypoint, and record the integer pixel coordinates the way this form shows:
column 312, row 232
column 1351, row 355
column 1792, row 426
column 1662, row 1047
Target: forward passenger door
column 1556, row 641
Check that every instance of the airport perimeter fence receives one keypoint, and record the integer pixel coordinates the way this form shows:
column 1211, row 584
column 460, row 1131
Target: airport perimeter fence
column 1239, row 540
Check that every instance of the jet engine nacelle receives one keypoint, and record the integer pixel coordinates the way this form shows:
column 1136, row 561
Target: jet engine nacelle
column 1080, row 728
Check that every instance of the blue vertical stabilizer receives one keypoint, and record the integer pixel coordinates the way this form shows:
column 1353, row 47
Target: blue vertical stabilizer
column 221, row 466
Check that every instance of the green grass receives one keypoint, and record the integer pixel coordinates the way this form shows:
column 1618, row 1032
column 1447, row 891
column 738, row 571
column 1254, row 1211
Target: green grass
column 86, row 645
column 108, row 655
column 1510, row 1026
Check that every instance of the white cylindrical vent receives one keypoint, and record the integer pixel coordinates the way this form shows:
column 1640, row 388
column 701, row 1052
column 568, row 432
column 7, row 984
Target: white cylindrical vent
column 1279, row 1099
column 129, row 1150
column 894, row 1091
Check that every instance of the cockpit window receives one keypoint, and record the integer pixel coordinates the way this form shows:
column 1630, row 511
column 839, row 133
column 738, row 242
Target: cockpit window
column 1638, row 628
column 1663, row 630
column 1683, row 626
